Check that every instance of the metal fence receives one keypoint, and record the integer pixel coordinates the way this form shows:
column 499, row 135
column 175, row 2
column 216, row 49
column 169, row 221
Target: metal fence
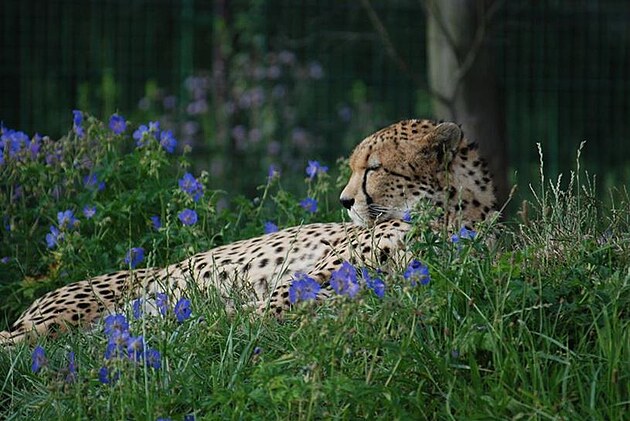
column 564, row 68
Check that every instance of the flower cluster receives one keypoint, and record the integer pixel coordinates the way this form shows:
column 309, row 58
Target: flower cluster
column 122, row 345
column 315, row 168
column 77, row 123
column 344, row 281
column 190, row 185
column 144, row 134
column 66, row 222
column 39, row 362
column 182, row 308
column 464, row 234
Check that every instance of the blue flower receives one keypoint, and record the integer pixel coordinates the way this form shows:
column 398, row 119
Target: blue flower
column 314, row 168
column 375, row 283
column 105, row 377
column 91, row 182
column 303, row 288
column 273, row 172
column 407, row 216
column 182, row 309
column 135, row 347
column 117, row 344
column 53, row 237
column 309, row 204
column 188, row 217
column 137, row 308
column 5, row 260
column 39, row 359
column 77, row 117
column 161, row 301
column 89, row 211
column 66, row 219
column 154, row 127
column 72, row 368
column 152, row 358
column 134, row 256
column 115, row 323
column 344, row 280
column 77, row 121
column 464, row 234
column 270, row 227
column 417, row 272
column 117, row 124
column 191, row 185
column 156, row 222
column 168, row 142
column 139, row 135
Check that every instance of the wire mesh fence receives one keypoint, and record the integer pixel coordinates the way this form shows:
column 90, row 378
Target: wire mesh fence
column 265, row 81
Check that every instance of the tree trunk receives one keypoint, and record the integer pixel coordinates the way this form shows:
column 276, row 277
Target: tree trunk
column 463, row 80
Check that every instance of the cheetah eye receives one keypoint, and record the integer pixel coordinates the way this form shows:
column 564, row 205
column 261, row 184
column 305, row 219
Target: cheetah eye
column 374, row 167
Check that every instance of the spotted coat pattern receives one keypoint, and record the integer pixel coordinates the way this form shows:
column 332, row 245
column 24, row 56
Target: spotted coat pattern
column 392, row 171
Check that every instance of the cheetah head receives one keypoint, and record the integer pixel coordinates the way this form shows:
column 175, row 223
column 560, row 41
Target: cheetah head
column 413, row 160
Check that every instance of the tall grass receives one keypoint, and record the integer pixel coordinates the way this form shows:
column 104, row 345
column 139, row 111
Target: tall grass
column 530, row 325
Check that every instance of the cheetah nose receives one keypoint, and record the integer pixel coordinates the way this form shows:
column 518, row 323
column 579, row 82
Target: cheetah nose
column 347, row 203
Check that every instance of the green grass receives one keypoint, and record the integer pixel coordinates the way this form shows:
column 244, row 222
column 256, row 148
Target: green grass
column 531, row 324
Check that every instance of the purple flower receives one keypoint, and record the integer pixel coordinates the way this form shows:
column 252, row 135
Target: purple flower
column 374, row 283
column 417, row 272
column 72, row 368
column 344, row 280
column 117, row 344
column 137, row 308
column 5, row 260
column 309, row 204
column 191, row 185
column 115, row 323
column 161, row 301
column 135, row 347
column 314, row 168
column 39, row 359
column 407, row 216
column 168, row 142
column 303, row 288
column 77, row 121
column 91, row 182
column 77, row 117
column 155, row 221
column 89, row 211
column 270, row 227
column 188, row 217
column 152, row 358
column 117, row 124
column 274, row 172
column 53, row 237
column 105, row 377
column 134, row 256
column 66, row 219
column 464, row 234
column 182, row 309
column 139, row 135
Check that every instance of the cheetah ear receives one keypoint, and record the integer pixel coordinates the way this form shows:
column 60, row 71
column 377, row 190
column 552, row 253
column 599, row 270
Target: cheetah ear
column 442, row 142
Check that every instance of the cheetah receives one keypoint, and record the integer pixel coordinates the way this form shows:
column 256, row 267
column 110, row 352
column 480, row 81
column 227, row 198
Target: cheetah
column 393, row 170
